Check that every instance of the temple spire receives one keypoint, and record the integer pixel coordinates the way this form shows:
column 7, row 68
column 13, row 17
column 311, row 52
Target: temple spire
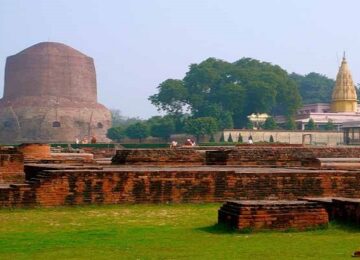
column 344, row 98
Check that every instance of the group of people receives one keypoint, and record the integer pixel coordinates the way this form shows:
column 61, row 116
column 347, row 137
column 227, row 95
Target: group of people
column 187, row 143
column 85, row 140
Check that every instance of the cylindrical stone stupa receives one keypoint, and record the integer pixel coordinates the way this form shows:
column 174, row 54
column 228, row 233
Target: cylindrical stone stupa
column 50, row 96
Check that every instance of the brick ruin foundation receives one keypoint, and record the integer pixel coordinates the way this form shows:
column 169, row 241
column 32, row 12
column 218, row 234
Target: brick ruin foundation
column 265, row 214
column 214, row 174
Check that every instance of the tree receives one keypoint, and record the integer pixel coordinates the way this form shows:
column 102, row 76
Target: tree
column 314, row 87
column 250, row 124
column 230, row 140
column 212, row 139
column 229, row 92
column 240, row 138
column 119, row 120
column 271, row 139
column 162, row 127
column 311, row 125
column 222, row 138
column 201, row 126
column 270, row 124
column 290, row 123
column 115, row 133
column 330, row 125
column 171, row 97
column 138, row 131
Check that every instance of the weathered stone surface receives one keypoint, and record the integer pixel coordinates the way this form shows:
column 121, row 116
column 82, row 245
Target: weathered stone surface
column 51, row 84
column 279, row 215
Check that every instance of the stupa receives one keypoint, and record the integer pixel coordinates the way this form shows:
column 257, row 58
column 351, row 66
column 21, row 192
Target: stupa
column 50, row 95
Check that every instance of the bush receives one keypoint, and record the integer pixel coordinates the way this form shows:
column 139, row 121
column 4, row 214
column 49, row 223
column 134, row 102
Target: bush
column 222, row 138
column 271, row 140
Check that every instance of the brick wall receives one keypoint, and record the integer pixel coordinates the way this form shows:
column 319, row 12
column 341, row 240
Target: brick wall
column 280, row 215
column 111, row 186
column 11, row 167
column 35, row 151
column 278, row 156
column 186, row 156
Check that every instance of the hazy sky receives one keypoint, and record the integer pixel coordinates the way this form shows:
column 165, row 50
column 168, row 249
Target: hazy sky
column 137, row 44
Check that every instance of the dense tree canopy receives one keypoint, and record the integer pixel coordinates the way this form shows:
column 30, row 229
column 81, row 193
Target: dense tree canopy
column 138, row 130
column 270, row 124
column 314, row 87
column 116, row 133
column 201, row 126
column 229, row 92
column 162, row 126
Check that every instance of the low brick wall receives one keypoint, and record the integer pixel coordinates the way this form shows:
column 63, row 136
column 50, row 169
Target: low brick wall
column 289, row 156
column 279, row 215
column 278, row 156
column 11, row 166
column 100, row 152
column 191, row 184
column 35, row 151
column 186, row 156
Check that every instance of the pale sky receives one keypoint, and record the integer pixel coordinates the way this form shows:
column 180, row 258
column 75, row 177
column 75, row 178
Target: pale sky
column 137, row 44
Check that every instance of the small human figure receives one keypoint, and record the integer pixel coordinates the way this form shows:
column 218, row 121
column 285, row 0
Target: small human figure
column 77, row 141
column 192, row 142
column 93, row 140
column 84, row 140
column 188, row 142
column 250, row 140
column 173, row 144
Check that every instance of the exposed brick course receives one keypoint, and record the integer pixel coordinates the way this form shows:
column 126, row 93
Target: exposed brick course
column 186, row 156
column 191, row 184
column 11, row 167
column 280, row 215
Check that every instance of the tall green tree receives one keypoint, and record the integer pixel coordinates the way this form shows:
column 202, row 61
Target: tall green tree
column 314, row 87
column 229, row 92
column 163, row 127
column 201, row 126
column 171, row 97
column 115, row 133
column 138, row 131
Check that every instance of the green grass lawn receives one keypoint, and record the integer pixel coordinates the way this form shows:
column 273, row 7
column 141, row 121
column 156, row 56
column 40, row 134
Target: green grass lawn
column 157, row 232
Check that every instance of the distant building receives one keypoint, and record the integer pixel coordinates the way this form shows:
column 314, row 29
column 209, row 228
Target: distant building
column 343, row 107
column 50, row 95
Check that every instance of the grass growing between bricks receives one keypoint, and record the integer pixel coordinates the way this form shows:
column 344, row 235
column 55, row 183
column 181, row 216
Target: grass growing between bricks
column 157, row 232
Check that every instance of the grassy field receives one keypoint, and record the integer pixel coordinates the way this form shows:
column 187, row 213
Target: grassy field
column 157, row 232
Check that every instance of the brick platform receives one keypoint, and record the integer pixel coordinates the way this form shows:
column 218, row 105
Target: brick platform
column 279, row 215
